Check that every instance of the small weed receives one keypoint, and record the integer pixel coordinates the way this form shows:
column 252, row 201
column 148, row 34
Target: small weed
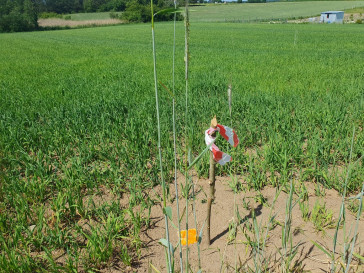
column 353, row 206
column 305, row 210
column 321, row 217
column 124, row 255
column 303, row 203
column 246, row 204
column 319, row 190
column 186, row 190
column 288, row 250
column 259, row 198
column 232, row 231
column 235, row 185
column 303, row 192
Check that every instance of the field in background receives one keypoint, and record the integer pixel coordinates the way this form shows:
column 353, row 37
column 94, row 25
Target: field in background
column 356, row 10
column 267, row 11
column 81, row 20
column 77, row 126
column 91, row 16
column 222, row 13
column 60, row 23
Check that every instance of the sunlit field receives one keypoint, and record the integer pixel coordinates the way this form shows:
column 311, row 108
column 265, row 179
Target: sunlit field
column 78, row 125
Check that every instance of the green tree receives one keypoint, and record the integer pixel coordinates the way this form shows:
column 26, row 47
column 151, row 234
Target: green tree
column 30, row 14
column 139, row 11
column 21, row 15
column 60, row 6
column 136, row 12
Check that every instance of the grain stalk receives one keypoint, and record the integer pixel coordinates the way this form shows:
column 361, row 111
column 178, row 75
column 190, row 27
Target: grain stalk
column 286, row 231
column 342, row 208
column 190, row 163
column 159, row 142
column 229, row 94
column 174, row 135
column 195, row 219
column 186, row 124
column 356, row 230
column 271, row 221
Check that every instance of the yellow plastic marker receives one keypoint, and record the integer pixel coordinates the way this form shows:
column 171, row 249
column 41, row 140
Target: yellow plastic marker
column 192, row 236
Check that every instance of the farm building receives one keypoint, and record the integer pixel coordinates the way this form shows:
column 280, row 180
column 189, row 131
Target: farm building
column 332, row 17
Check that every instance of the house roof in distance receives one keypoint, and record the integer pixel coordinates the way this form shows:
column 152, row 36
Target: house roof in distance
column 331, row 12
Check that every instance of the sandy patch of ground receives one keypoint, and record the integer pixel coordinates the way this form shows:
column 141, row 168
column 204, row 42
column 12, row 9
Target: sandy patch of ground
column 54, row 22
column 353, row 17
column 224, row 254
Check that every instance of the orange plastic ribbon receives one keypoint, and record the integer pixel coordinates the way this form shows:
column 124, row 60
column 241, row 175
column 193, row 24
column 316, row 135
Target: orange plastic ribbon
column 192, row 236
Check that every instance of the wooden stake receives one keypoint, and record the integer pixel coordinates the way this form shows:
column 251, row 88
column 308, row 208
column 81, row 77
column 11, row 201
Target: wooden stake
column 212, row 185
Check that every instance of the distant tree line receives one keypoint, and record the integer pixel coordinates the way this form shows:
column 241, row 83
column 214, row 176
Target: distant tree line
column 18, row 15
column 22, row 15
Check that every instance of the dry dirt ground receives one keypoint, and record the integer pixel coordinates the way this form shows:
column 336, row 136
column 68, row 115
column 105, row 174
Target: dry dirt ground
column 54, row 22
column 224, row 254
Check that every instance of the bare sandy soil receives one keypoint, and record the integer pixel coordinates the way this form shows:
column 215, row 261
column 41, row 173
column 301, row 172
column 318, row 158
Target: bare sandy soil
column 54, row 22
column 226, row 253
column 352, row 17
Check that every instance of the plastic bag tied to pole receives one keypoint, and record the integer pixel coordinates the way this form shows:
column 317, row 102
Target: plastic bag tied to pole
column 228, row 134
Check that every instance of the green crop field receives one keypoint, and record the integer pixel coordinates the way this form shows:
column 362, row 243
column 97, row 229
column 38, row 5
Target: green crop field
column 267, row 11
column 78, row 126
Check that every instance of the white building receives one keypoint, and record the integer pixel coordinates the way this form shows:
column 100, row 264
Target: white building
column 332, row 17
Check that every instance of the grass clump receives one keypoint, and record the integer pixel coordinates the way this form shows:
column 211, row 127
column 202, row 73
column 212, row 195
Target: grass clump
column 354, row 206
column 321, row 217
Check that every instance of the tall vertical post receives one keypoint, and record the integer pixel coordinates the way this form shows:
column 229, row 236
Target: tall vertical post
column 212, row 185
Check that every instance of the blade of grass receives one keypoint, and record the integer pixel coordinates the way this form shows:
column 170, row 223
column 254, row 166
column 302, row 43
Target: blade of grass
column 198, row 158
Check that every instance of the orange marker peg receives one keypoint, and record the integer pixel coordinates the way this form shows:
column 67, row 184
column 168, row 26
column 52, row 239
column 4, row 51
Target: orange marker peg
column 192, row 237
